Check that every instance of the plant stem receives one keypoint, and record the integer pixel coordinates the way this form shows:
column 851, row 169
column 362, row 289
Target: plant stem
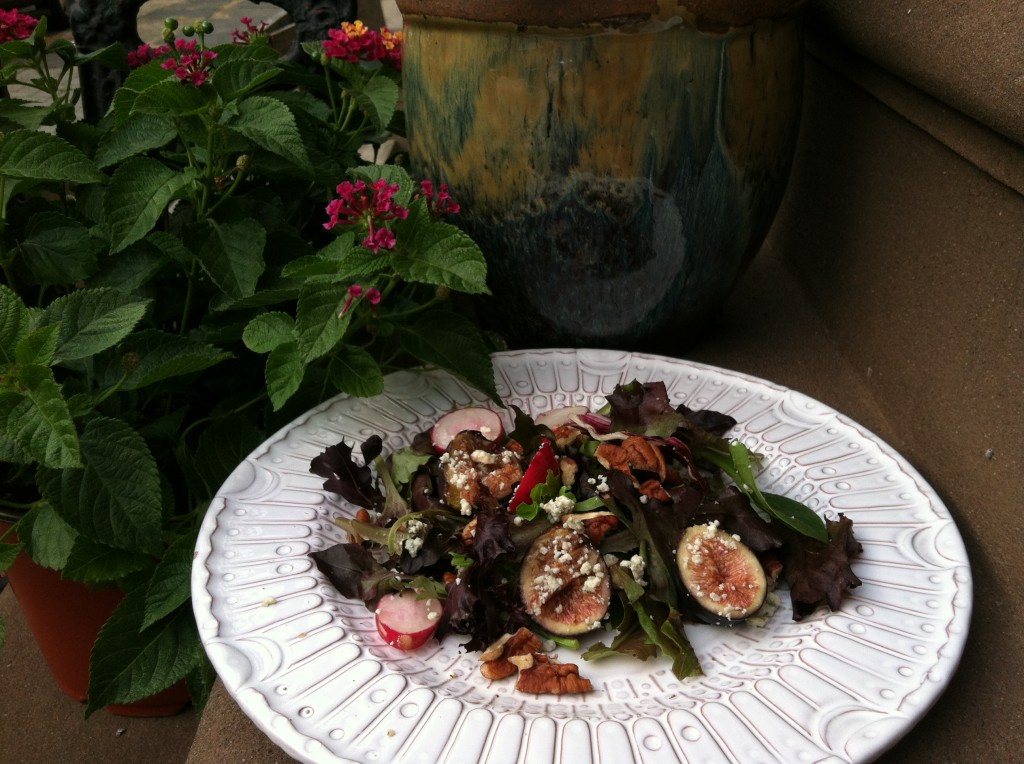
column 110, row 391
column 187, row 307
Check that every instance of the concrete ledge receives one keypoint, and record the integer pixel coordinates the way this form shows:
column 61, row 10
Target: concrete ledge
column 965, row 54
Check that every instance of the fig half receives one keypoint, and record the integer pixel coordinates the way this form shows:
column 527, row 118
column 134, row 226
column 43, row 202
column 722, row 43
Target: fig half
column 564, row 582
column 721, row 573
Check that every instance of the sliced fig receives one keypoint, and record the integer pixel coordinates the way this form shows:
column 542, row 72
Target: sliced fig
column 477, row 473
column 721, row 573
column 564, row 582
column 475, row 418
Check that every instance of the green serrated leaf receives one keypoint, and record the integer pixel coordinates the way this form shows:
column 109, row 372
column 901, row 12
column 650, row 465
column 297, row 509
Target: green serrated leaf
column 115, row 497
column 339, row 261
column 48, row 538
column 138, row 81
column 453, row 342
column 14, row 321
column 234, row 79
column 356, row 372
column 171, row 246
column 138, row 134
column 231, row 254
column 91, row 562
column 43, row 156
column 130, row 268
column 433, row 252
column 37, row 419
column 139, row 192
column 270, row 125
column 112, row 56
column 299, row 101
column 171, row 98
column 38, row 347
column 318, row 327
column 285, row 368
column 21, row 113
column 129, row 663
column 162, row 355
column 92, row 320
column 59, row 250
column 267, row 331
column 171, row 584
column 378, row 98
column 8, row 554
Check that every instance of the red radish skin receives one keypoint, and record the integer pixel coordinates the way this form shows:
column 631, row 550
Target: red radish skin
column 405, row 621
column 477, row 418
column 543, row 461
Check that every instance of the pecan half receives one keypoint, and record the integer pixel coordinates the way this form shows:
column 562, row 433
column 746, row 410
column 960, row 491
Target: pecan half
column 553, row 679
column 644, row 455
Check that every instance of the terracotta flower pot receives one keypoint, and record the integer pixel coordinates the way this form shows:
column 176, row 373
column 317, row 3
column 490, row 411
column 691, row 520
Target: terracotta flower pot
column 65, row 618
column 618, row 161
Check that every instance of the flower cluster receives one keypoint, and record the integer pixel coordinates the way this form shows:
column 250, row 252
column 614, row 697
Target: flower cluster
column 145, row 53
column 252, row 33
column 355, row 42
column 372, row 205
column 191, row 65
column 439, row 201
column 355, row 292
column 15, row 25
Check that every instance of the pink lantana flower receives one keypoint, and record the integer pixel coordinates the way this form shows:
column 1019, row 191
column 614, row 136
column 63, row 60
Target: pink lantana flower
column 251, row 33
column 371, row 205
column 15, row 25
column 354, row 42
column 191, row 65
column 356, row 291
column 145, row 53
column 439, row 201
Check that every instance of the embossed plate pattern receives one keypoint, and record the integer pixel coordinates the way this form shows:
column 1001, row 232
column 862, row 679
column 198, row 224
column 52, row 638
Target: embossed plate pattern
column 309, row 669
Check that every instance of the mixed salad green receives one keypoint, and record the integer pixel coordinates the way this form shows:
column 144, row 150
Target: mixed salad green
column 634, row 520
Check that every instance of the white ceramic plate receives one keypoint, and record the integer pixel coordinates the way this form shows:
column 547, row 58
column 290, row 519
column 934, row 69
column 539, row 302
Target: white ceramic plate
column 309, row 669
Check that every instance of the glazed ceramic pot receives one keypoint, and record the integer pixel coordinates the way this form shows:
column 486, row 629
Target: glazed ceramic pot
column 618, row 161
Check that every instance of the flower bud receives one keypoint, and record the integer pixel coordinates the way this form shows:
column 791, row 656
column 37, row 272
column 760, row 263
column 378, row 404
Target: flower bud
column 130, row 361
column 206, row 27
column 170, row 23
column 442, row 292
column 243, row 162
column 188, row 30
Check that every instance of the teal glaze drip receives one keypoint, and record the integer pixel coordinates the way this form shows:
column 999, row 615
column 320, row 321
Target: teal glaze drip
column 580, row 256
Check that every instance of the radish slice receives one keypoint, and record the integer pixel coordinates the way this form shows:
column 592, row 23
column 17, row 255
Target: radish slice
column 406, row 621
column 543, row 462
column 557, row 417
column 484, row 421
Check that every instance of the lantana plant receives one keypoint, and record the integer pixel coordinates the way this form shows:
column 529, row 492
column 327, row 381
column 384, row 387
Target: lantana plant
column 184, row 277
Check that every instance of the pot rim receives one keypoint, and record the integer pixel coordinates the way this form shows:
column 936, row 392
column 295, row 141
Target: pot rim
column 711, row 15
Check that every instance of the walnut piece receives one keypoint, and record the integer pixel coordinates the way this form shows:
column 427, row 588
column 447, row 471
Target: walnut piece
column 553, row 679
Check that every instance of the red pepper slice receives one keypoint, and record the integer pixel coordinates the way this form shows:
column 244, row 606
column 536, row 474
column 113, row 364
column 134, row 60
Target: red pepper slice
column 543, row 461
